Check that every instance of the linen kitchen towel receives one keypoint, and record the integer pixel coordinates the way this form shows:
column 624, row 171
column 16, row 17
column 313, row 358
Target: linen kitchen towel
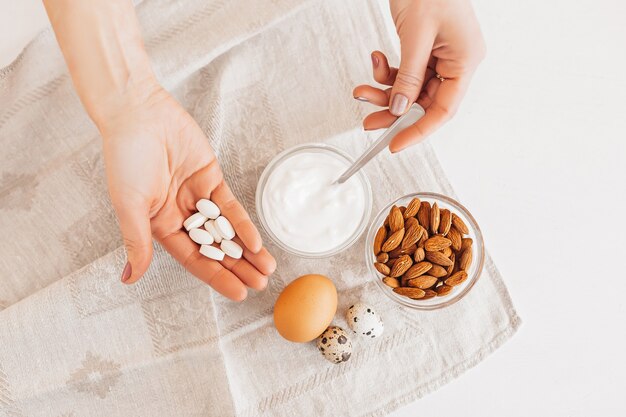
column 259, row 77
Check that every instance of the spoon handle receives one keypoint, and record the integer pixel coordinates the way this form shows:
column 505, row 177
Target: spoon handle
column 414, row 113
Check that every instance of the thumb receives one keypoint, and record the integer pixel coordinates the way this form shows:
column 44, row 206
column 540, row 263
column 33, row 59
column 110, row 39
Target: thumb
column 415, row 50
column 137, row 236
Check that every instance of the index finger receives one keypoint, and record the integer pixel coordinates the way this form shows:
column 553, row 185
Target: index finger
column 444, row 105
column 383, row 73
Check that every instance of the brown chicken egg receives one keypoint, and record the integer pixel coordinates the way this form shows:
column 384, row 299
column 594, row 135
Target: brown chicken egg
column 305, row 308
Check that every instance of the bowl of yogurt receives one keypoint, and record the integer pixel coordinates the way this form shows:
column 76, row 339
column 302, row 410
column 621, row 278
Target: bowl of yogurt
column 301, row 208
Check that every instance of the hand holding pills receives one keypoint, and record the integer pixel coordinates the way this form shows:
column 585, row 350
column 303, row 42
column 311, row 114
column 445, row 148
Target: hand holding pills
column 165, row 182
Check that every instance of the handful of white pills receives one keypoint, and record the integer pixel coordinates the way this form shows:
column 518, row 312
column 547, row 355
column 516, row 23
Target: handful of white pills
column 217, row 229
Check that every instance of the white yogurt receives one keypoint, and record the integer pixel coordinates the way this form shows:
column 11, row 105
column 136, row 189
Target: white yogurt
column 305, row 210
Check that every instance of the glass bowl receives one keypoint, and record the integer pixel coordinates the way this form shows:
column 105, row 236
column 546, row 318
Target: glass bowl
column 478, row 252
column 307, row 148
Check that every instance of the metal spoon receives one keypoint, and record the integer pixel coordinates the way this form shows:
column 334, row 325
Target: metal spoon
column 414, row 113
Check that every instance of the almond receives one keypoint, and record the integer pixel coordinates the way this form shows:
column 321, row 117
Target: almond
column 436, row 243
column 400, row 266
column 410, row 292
column 408, row 223
column 455, row 267
column 429, row 294
column 382, row 268
column 393, row 241
column 382, row 257
column 423, row 282
column 456, row 278
column 396, row 221
column 419, row 255
column 391, row 282
column 399, row 251
column 412, row 208
column 423, row 238
column 418, row 269
column 447, row 252
column 459, row 224
column 391, row 262
column 438, row 258
column 443, row 290
column 438, row 271
column 423, row 215
column 466, row 259
column 445, row 221
column 379, row 239
column 450, row 269
column 412, row 235
column 434, row 218
column 466, row 242
column 403, row 281
column 455, row 237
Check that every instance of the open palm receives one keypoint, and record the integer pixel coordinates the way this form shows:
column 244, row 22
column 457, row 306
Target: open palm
column 158, row 164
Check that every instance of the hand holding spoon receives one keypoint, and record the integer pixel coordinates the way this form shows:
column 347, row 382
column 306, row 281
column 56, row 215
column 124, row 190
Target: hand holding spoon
column 414, row 113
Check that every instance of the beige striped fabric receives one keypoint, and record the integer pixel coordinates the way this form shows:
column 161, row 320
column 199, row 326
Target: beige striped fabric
column 258, row 76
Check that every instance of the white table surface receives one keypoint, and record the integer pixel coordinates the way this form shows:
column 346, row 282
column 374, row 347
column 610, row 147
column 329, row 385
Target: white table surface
column 538, row 153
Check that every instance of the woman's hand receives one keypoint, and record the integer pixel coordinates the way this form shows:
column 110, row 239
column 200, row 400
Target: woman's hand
column 158, row 160
column 158, row 164
column 436, row 37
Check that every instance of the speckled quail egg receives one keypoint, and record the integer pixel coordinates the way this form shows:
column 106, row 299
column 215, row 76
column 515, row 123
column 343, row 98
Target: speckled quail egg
column 363, row 320
column 335, row 345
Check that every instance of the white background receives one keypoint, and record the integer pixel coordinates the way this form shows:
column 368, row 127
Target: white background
column 538, row 153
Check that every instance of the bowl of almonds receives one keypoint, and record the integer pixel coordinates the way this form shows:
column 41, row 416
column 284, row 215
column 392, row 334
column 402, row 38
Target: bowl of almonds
column 425, row 251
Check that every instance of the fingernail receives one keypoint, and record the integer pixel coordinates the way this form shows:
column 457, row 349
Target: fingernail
column 127, row 272
column 374, row 60
column 396, row 149
column 398, row 105
column 361, row 98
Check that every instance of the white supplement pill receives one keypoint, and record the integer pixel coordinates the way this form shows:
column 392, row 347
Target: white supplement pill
column 224, row 228
column 212, row 252
column 231, row 249
column 201, row 236
column 194, row 221
column 210, row 227
column 208, row 208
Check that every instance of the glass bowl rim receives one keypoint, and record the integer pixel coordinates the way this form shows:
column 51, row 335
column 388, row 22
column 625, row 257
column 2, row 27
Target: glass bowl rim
column 269, row 168
column 445, row 301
